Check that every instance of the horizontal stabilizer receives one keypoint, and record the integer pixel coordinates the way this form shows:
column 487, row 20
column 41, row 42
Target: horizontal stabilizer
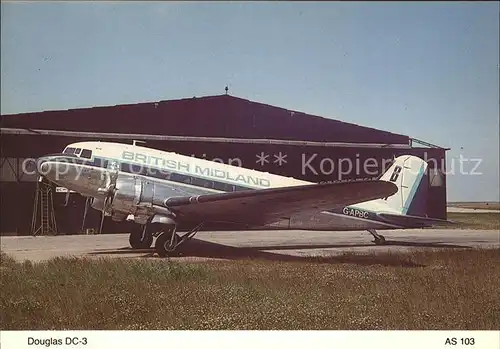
column 414, row 221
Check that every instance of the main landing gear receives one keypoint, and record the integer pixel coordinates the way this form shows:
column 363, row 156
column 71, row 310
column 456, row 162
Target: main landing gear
column 168, row 242
column 378, row 239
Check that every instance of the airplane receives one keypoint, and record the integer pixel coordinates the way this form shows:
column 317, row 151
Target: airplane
column 161, row 191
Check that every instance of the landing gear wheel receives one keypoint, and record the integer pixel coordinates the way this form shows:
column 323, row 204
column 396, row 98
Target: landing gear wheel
column 164, row 244
column 380, row 240
column 140, row 239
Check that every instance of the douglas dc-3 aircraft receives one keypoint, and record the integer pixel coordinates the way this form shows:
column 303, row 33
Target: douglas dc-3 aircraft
column 161, row 190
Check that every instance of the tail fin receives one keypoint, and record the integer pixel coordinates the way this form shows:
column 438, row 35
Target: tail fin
column 408, row 173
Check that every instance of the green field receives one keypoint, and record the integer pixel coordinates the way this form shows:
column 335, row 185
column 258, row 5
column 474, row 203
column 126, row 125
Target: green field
column 476, row 205
column 447, row 289
column 488, row 221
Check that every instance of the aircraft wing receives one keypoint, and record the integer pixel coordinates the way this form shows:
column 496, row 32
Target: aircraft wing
column 260, row 207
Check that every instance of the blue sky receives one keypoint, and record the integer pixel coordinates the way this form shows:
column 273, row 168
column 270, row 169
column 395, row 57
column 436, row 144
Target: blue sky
column 427, row 70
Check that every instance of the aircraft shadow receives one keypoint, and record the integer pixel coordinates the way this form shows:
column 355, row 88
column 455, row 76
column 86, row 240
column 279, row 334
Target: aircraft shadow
column 424, row 244
column 210, row 250
column 388, row 243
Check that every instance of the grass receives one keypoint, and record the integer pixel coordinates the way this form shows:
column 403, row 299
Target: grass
column 488, row 221
column 476, row 205
column 447, row 289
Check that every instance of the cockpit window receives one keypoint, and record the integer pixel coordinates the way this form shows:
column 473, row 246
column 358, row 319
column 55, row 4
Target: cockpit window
column 83, row 153
column 86, row 154
column 69, row 150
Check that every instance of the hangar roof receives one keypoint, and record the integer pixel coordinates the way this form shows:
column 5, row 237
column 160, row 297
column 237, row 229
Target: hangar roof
column 211, row 116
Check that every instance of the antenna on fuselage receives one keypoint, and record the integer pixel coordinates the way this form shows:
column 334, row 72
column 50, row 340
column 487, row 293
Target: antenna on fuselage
column 135, row 141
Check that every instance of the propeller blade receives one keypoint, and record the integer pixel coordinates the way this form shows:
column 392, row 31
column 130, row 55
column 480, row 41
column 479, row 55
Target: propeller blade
column 107, row 201
column 66, row 201
column 102, row 222
column 85, row 212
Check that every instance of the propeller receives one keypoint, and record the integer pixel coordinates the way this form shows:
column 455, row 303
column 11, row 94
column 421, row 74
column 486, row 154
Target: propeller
column 109, row 193
column 103, row 214
column 108, row 202
column 66, row 200
column 87, row 202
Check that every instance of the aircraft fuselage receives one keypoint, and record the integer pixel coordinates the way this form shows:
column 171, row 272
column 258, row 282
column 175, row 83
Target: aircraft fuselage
column 145, row 178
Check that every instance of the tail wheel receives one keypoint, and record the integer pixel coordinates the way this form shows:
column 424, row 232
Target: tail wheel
column 164, row 245
column 140, row 239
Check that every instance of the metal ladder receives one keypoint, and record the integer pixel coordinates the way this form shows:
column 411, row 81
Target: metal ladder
column 47, row 223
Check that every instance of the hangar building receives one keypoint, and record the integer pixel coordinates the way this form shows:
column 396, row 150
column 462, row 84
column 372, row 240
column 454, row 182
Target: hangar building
column 221, row 128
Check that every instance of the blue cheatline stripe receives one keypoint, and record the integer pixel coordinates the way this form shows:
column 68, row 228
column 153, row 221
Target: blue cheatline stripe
column 413, row 190
column 174, row 176
column 159, row 173
column 157, row 168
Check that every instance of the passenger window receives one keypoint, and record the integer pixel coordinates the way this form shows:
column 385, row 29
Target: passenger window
column 208, row 184
column 223, row 186
column 201, row 182
column 238, row 188
column 177, row 177
column 87, row 154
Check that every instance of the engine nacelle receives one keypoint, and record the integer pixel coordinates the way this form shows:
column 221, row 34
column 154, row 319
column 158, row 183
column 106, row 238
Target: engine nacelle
column 135, row 195
column 163, row 219
column 127, row 194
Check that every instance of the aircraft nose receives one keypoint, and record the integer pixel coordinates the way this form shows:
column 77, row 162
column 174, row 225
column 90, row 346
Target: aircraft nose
column 42, row 165
column 48, row 167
